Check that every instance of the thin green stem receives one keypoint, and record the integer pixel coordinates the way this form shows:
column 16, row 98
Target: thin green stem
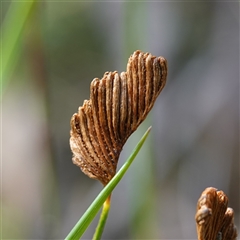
column 93, row 209
column 102, row 219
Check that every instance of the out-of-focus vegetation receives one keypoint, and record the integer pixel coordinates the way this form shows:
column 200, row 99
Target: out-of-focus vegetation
column 11, row 30
column 194, row 142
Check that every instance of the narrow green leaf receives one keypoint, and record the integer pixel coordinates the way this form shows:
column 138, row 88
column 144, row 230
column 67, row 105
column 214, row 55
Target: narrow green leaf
column 93, row 209
column 12, row 28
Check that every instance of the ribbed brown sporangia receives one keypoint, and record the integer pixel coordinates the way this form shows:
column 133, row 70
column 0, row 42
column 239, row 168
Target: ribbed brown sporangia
column 118, row 104
column 214, row 219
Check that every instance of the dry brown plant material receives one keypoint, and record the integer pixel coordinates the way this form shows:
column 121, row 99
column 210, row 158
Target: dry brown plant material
column 118, row 104
column 214, row 219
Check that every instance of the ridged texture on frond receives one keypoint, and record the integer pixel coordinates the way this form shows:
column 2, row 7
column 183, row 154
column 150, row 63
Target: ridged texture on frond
column 117, row 105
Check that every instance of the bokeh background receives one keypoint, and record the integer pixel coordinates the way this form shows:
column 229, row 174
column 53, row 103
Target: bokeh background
column 194, row 142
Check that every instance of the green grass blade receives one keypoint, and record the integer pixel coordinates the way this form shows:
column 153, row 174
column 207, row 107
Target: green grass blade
column 12, row 28
column 93, row 209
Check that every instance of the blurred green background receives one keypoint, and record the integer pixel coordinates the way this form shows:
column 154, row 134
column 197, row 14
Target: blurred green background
column 51, row 51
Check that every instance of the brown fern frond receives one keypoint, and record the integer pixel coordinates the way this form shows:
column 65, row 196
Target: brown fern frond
column 214, row 219
column 118, row 104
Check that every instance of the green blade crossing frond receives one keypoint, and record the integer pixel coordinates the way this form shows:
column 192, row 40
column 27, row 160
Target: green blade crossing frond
column 93, row 209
